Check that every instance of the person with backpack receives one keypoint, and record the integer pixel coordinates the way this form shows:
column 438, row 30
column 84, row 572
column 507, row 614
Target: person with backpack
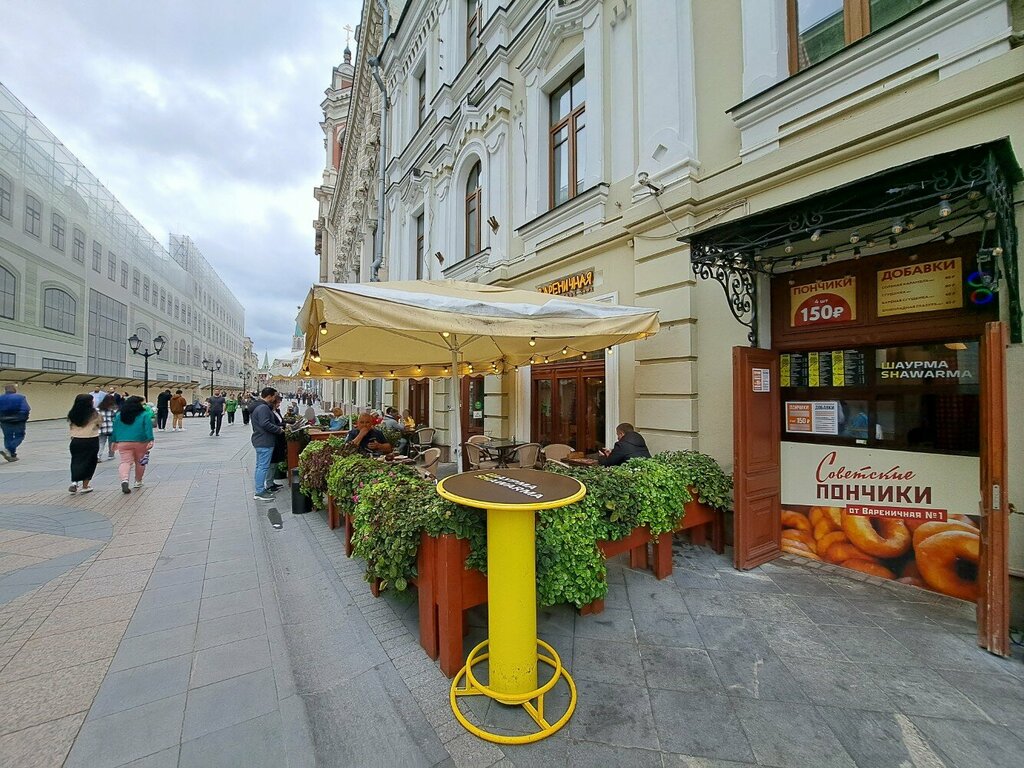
column 265, row 429
column 133, row 435
column 107, row 411
column 230, row 406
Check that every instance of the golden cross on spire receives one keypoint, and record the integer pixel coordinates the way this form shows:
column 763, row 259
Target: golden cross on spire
column 348, row 34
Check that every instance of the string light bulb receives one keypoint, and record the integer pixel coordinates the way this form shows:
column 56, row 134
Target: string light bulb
column 816, row 236
column 323, row 329
column 316, row 356
column 832, row 254
column 446, row 369
column 445, row 334
column 584, row 356
column 328, row 369
column 897, row 226
column 610, row 350
column 854, row 237
column 893, row 242
column 360, row 374
column 856, row 253
column 989, row 214
column 565, row 350
column 947, row 238
column 545, row 358
column 909, row 224
column 419, row 368
column 945, row 209
column 533, row 341
column 789, row 247
column 392, row 374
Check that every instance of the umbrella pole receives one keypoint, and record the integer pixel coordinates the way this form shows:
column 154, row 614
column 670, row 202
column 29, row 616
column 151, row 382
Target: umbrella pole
column 456, row 426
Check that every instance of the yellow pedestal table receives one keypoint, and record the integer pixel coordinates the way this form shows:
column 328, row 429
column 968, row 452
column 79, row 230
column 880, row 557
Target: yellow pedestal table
column 512, row 649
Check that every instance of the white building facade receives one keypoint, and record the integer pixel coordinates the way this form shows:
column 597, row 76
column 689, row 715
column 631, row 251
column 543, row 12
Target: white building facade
column 79, row 274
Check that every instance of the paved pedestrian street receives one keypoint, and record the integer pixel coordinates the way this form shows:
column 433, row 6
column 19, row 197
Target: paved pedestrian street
column 175, row 626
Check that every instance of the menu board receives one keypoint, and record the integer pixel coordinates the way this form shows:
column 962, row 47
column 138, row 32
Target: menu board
column 816, row 418
column 925, row 287
column 835, row 368
column 823, row 302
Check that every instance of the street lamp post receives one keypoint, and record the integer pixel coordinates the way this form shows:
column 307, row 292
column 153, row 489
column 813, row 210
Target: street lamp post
column 211, row 367
column 158, row 344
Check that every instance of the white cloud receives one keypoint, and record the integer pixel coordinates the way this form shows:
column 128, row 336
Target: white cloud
column 201, row 117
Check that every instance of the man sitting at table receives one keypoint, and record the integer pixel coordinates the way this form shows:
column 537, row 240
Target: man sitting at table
column 630, row 445
column 367, row 437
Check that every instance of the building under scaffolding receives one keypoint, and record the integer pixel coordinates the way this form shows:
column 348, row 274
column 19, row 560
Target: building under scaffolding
column 79, row 273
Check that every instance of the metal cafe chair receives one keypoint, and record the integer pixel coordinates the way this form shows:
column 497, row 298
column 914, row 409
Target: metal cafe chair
column 423, row 439
column 557, row 451
column 430, row 458
column 475, row 457
column 526, row 456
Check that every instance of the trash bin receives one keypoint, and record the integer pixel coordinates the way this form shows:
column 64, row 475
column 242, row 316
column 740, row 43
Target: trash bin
column 301, row 503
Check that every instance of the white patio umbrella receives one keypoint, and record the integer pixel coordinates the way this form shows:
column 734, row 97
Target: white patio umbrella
column 439, row 328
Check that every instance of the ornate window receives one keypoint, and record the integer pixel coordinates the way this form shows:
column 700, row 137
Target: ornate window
column 473, row 15
column 421, row 98
column 97, row 257
column 8, row 293
column 419, row 247
column 568, row 139
column 57, row 229
column 145, row 289
column 59, row 308
column 136, row 280
column 819, row 28
column 33, row 215
column 473, row 213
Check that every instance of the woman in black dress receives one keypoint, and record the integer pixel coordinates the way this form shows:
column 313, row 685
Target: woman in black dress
column 84, row 428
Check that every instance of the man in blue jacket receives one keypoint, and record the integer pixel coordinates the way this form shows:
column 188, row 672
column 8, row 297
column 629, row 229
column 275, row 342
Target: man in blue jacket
column 265, row 428
column 13, row 417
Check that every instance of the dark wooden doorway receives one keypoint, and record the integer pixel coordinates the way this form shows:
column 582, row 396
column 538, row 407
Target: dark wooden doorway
column 569, row 404
column 419, row 401
column 472, row 406
column 756, row 453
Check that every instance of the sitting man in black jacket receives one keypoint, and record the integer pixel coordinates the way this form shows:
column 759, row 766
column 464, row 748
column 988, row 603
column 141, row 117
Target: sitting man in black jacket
column 630, row 445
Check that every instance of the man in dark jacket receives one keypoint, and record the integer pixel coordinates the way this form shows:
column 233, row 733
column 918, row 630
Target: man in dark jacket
column 630, row 445
column 14, row 412
column 265, row 429
column 163, row 404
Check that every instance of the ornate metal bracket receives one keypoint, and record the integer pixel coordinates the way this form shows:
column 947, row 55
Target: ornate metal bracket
column 739, row 282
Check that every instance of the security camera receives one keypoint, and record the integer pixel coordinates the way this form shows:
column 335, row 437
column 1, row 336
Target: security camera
column 644, row 180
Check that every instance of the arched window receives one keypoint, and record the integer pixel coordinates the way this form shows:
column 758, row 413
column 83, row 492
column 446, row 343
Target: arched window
column 473, row 213
column 59, row 310
column 145, row 338
column 8, row 292
column 174, row 359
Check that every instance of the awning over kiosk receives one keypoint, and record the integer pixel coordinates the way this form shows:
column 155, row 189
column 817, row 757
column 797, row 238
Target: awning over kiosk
column 930, row 200
column 26, row 375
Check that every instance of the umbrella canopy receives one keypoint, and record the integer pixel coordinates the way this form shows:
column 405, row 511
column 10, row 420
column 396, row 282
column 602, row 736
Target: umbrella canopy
column 420, row 328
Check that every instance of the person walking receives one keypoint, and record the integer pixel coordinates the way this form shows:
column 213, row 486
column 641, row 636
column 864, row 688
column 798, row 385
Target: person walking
column 216, row 405
column 84, row 423
column 97, row 396
column 246, row 403
column 107, row 411
column 230, row 406
column 177, row 406
column 14, row 410
column 133, row 435
column 163, row 404
column 265, row 429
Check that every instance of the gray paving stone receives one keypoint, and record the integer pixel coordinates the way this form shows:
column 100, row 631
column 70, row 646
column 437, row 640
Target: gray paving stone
column 679, row 669
column 919, row 691
column 256, row 743
column 167, row 758
column 228, row 703
column 756, row 675
column 583, row 754
column 614, row 714
column 176, row 576
column 168, row 562
column 675, row 630
column 171, row 595
column 606, row 662
column 981, row 745
column 648, row 594
column 244, row 564
column 154, row 646
column 790, row 735
column 614, row 624
column 1000, row 696
column 837, row 684
column 125, row 736
column 230, row 660
column 226, row 629
column 867, row 644
column 141, row 685
column 880, row 738
column 233, row 602
column 148, row 620
column 699, row 724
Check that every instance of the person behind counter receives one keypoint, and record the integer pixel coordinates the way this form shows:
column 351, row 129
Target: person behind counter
column 630, row 445
column 367, row 437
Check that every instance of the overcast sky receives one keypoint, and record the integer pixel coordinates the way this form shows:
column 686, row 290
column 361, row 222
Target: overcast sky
column 201, row 116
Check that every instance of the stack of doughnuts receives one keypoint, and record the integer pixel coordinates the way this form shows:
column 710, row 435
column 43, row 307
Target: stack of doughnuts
column 941, row 556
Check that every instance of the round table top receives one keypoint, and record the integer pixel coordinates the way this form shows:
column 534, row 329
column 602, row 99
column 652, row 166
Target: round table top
column 526, row 489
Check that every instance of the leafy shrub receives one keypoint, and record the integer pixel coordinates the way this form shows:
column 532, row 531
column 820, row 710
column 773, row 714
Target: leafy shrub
column 702, row 473
column 316, row 461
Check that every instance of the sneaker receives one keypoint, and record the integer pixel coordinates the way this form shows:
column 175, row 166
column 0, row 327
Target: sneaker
column 6, row 456
column 87, row 490
column 73, row 488
column 273, row 487
column 264, row 496
column 138, row 483
column 211, row 433
column 11, row 457
column 125, row 488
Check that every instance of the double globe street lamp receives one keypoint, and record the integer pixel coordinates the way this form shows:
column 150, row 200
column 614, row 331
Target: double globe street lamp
column 211, row 367
column 135, row 343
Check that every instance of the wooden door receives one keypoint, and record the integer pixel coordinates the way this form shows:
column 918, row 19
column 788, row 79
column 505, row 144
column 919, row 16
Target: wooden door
column 993, row 570
column 419, row 401
column 756, row 452
column 472, row 406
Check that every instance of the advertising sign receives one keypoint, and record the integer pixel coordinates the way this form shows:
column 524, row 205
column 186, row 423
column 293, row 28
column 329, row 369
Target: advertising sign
column 824, row 302
column 926, row 287
column 894, row 514
column 570, row 285
column 761, row 380
column 820, row 417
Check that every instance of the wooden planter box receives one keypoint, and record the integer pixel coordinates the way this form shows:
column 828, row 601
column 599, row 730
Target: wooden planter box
column 292, row 457
column 703, row 522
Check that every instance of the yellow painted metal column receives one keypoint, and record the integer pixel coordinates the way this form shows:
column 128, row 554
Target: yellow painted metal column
column 512, row 601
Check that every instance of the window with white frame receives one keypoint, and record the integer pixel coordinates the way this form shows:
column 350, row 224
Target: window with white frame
column 59, row 366
column 111, row 266
column 419, row 246
column 473, row 212
column 6, row 206
column 145, row 289
column 8, row 293
column 78, row 245
column 124, row 275
column 421, row 98
column 136, row 280
column 97, row 257
column 567, row 138
column 8, row 360
column 473, row 14
column 57, row 228
column 33, row 215
column 59, row 308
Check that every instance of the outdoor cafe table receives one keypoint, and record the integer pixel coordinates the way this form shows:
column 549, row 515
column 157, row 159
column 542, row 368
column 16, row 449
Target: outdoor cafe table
column 503, row 449
column 512, row 498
